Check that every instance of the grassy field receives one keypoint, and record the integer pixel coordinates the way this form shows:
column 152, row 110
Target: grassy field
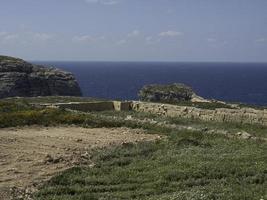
column 202, row 105
column 49, row 99
column 185, row 165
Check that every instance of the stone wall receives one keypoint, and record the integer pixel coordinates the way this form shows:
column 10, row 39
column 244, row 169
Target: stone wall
column 93, row 106
column 87, row 106
column 126, row 106
column 242, row 115
column 122, row 105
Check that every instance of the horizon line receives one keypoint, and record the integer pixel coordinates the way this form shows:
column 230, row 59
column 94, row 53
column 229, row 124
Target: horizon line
column 106, row 61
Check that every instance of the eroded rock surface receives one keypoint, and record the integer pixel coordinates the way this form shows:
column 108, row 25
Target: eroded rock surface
column 166, row 93
column 20, row 78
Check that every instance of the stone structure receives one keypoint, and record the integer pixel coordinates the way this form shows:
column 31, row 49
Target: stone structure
column 238, row 115
column 122, row 105
column 92, row 106
column 20, row 78
column 241, row 115
column 86, row 106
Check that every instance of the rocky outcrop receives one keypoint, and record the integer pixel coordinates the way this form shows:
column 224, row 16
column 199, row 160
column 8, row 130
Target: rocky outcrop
column 20, row 78
column 168, row 93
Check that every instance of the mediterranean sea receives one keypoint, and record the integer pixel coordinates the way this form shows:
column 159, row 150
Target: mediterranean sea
column 232, row 82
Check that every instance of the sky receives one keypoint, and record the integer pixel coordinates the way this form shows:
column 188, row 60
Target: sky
column 134, row 30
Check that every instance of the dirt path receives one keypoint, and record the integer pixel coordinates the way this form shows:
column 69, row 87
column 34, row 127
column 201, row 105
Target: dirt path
column 30, row 155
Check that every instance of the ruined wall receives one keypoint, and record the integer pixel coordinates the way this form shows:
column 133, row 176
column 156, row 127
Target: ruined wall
column 117, row 105
column 243, row 115
column 126, row 106
column 87, row 106
column 122, row 105
column 94, row 106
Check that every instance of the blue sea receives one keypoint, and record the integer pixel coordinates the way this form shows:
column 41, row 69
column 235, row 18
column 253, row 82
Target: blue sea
column 232, row 82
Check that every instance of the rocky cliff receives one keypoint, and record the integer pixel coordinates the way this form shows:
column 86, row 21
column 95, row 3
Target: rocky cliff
column 20, row 78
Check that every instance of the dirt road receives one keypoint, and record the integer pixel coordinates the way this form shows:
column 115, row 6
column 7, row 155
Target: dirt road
column 31, row 155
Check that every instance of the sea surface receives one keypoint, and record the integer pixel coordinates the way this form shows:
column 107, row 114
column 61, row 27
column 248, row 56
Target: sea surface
column 232, row 82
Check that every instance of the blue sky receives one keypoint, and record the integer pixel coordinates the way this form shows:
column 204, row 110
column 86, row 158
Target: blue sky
column 135, row 30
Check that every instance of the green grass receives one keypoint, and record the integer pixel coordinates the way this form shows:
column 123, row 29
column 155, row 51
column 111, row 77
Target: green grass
column 242, row 105
column 204, row 105
column 9, row 58
column 253, row 129
column 21, row 113
column 49, row 99
column 9, row 107
column 187, row 165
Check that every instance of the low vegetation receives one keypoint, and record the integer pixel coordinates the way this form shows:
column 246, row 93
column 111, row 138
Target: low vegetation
column 184, row 165
column 8, row 58
column 202, row 105
column 49, row 99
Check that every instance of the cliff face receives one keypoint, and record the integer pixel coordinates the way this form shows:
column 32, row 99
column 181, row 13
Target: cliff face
column 20, row 78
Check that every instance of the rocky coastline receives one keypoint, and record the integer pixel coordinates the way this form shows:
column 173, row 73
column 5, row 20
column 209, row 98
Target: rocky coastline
column 23, row 79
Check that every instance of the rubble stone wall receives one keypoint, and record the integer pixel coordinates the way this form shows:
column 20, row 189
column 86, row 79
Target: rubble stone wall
column 94, row 106
column 242, row 115
column 87, row 106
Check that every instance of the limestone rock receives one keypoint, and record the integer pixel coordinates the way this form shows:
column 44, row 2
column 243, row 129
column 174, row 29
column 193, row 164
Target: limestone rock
column 166, row 93
column 20, row 78
column 244, row 135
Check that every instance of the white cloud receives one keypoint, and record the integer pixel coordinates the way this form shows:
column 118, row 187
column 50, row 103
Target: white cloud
column 121, row 42
column 212, row 40
column 8, row 37
column 150, row 40
column 91, row 1
column 110, row 2
column 129, row 38
column 11, row 37
column 103, row 2
column 24, row 37
column 134, row 33
column 170, row 34
column 261, row 40
column 83, row 38
column 87, row 38
column 2, row 33
column 170, row 11
column 42, row 36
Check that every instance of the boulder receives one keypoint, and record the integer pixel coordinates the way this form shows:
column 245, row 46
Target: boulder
column 21, row 78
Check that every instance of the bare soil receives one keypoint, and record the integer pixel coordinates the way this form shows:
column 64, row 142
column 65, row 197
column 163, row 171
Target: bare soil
column 31, row 155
